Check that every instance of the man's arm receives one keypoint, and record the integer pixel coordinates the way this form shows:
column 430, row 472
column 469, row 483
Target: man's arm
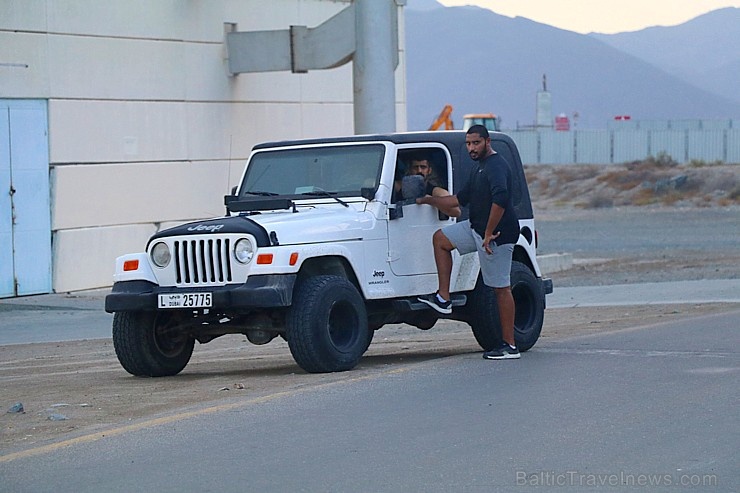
column 446, row 203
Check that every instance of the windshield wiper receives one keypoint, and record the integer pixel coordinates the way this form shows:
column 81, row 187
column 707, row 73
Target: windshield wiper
column 262, row 194
column 323, row 193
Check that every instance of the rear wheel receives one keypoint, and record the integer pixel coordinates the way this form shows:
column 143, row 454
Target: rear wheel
column 327, row 327
column 529, row 302
column 149, row 345
column 484, row 319
column 529, row 308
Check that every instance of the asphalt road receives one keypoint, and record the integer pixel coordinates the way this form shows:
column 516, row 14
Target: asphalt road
column 639, row 231
column 648, row 408
column 634, row 245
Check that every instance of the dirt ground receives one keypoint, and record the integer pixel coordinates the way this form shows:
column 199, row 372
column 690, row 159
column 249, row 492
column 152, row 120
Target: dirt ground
column 83, row 381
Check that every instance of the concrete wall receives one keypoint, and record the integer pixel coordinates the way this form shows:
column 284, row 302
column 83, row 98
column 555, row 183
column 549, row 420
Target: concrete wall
column 146, row 126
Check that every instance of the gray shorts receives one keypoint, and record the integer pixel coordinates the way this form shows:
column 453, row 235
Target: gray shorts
column 496, row 267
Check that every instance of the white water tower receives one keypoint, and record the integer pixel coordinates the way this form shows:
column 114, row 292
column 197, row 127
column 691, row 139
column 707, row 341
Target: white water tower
column 544, row 106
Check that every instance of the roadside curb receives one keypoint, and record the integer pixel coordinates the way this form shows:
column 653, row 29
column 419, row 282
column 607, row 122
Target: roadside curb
column 92, row 299
column 555, row 262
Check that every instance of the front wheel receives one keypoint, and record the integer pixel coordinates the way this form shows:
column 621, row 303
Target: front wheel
column 149, row 345
column 327, row 325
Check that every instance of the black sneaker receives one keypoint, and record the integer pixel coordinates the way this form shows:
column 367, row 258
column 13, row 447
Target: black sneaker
column 504, row 352
column 433, row 301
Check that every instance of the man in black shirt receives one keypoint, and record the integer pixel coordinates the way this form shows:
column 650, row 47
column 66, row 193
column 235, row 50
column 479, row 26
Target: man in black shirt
column 492, row 231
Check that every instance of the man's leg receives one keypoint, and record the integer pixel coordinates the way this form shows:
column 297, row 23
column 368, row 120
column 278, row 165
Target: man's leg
column 443, row 258
column 455, row 236
column 496, row 270
column 506, row 314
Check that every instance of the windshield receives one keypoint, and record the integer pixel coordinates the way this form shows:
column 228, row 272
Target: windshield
column 340, row 170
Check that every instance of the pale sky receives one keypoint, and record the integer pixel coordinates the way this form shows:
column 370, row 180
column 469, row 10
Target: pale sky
column 601, row 16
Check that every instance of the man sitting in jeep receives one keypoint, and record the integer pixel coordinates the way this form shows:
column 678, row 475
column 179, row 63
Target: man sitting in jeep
column 419, row 164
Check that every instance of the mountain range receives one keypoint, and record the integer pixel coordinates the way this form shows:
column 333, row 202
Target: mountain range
column 480, row 62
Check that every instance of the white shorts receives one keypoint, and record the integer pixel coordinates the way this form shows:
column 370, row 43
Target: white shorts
column 495, row 267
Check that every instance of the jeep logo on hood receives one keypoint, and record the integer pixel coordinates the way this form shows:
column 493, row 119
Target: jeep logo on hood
column 202, row 227
column 224, row 225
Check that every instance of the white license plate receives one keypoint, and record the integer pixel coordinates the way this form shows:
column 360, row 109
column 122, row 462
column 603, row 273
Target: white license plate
column 186, row 300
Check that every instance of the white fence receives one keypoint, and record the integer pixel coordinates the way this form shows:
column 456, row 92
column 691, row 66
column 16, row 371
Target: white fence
column 682, row 140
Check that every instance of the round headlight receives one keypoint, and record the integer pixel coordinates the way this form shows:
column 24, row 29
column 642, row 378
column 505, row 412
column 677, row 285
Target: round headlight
column 161, row 255
column 243, row 251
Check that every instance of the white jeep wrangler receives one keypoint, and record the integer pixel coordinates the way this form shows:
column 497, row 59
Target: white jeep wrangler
column 316, row 248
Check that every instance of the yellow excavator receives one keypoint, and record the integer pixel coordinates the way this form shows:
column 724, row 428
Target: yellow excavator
column 488, row 120
column 444, row 118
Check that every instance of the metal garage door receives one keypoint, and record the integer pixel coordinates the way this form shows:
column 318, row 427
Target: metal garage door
column 25, row 218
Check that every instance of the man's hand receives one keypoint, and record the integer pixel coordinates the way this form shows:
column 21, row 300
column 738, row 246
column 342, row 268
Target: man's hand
column 487, row 241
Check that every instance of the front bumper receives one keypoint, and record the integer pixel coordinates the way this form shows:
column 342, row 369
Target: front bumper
column 267, row 291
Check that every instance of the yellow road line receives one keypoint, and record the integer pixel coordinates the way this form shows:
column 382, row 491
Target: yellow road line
column 93, row 437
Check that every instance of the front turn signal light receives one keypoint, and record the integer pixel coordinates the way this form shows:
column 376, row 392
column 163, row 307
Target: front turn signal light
column 130, row 265
column 264, row 258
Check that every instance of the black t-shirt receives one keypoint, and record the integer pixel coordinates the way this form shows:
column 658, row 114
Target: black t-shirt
column 491, row 183
column 429, row 187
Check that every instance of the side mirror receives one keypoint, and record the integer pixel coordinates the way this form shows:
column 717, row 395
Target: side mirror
column 412, row 187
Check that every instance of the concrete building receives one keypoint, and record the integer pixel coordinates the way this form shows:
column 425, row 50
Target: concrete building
column 120, row 117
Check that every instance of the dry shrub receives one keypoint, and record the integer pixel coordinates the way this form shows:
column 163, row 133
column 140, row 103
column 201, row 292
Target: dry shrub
column 700, row 163
column 601, row 200
column 671, row 198
column 644, row 196
column 623, row 180
column 575, row 173
column 652, row 181
column 724, row 182
column 734, row 194
column 662, row 160
column 705, row 201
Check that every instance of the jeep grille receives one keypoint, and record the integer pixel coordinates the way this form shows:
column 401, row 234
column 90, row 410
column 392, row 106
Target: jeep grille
column 201, row 262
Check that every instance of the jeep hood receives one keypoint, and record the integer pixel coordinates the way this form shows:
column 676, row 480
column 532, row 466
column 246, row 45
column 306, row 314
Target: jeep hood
column 315, row 224
column 235, row 224
column 312, row 224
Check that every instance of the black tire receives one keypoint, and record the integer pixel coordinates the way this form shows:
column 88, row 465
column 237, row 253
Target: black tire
column 483, row 316
column 370, row 335
column 327, row 325
column 529, row 303
column 146, row 348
